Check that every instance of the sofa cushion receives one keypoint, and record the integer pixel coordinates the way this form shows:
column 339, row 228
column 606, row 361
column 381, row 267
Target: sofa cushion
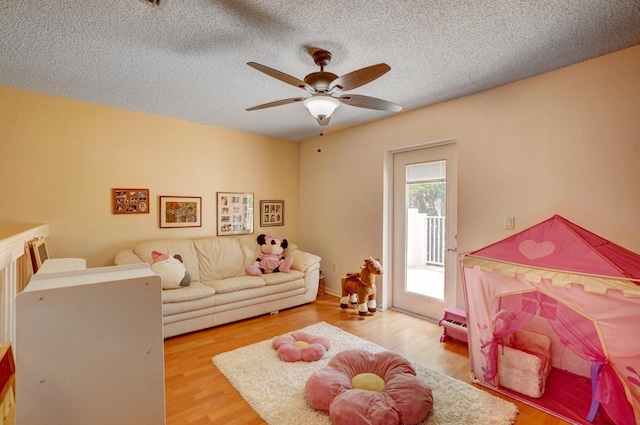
column 232, row 284
column 250, row 249
column 189, row 293
column 220, row 258
column 277, row 278
column 301, row 260
column 171, row 247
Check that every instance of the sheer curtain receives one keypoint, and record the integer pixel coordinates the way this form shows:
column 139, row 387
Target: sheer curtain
column 580, row 335
column 504, row 323
column 576, row 332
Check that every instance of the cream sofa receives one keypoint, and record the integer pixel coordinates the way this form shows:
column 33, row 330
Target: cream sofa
column 220, row 290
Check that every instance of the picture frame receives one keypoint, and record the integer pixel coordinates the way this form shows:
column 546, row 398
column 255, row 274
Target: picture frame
column 129, row 201
column 38, row 253
column 234, row 213
column 271, row 213
column 180, row 211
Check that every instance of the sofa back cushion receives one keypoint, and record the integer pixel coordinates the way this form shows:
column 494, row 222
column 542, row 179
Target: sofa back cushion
column 250, row 249
column 219, row 258
column 171, row 247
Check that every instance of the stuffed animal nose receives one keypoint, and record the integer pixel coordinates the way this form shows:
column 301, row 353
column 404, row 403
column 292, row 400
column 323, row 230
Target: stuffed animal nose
column 273, row 242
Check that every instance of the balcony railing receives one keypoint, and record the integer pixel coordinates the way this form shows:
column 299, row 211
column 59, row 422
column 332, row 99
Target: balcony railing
column 426, row 239
column 435, row 240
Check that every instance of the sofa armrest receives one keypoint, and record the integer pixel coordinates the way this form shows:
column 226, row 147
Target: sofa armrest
column 301, row 260
column 127, row 257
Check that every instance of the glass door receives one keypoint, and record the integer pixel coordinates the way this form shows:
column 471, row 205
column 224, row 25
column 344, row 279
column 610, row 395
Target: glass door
column 424, row 264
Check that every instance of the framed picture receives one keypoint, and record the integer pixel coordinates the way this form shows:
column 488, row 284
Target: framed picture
column 271, row 213
column 38, row 252
column 235, row 213
column 129, row 201
column 180, row 211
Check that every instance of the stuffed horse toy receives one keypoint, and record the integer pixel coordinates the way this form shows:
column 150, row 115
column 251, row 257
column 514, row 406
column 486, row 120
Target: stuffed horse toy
column 363, row 284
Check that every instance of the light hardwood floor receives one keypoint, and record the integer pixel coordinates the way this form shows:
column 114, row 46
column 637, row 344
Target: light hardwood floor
column 197, row 393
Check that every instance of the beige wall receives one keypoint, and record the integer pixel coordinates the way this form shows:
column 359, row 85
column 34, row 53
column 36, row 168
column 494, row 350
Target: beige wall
column 60, row 158
column 566, row 142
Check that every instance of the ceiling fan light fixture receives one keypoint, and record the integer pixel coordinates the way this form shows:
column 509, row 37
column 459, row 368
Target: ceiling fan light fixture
column 321, row 106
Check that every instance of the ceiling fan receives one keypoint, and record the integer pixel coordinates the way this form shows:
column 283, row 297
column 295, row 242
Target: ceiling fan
column 325, row 88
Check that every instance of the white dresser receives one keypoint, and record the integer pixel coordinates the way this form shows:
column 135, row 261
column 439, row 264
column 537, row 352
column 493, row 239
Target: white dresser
column 89, row 346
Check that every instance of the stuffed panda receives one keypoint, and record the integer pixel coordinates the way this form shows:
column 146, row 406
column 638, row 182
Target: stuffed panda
column 271, row 260
column 174, row 274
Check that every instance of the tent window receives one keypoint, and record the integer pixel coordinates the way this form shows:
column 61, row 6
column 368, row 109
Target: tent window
column 548, row 310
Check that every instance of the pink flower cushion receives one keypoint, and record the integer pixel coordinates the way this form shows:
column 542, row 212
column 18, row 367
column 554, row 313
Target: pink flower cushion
column 359, row 387
column 298, row 346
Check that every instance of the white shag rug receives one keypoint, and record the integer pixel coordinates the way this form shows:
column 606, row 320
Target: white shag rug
column 274, row 388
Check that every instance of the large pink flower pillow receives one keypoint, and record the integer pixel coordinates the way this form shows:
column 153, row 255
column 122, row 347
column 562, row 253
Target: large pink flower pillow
column 298, row 346
column 362, row 388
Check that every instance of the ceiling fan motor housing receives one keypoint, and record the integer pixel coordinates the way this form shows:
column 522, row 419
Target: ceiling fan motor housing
column 320, row 81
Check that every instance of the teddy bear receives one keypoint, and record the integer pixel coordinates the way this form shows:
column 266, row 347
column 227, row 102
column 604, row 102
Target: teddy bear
column 271, row 260
column 174, row 274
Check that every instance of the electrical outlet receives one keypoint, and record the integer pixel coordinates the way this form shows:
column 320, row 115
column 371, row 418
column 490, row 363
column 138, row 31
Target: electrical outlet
column 509, row 223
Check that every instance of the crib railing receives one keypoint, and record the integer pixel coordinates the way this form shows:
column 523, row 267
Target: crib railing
column 15, row 271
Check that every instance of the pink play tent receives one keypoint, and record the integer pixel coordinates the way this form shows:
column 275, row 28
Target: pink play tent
column 578, row 291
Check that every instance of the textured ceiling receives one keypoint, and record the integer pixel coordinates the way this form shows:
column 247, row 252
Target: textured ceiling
column 188, row 58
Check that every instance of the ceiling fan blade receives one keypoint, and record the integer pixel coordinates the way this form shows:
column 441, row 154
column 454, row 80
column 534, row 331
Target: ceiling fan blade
column 323, row 121
column 369, row 102
column 276, row 103
column 282, row 76
column 359, row 77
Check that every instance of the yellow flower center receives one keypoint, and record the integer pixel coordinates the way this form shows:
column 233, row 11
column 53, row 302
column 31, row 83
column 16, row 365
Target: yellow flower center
column 301, row 344
column 368, row 381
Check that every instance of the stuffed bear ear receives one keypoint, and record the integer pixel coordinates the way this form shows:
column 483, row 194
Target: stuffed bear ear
column 284, row 244
column 262, row 239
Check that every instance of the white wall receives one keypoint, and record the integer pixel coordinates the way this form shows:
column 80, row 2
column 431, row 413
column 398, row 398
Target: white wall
column 566, row 142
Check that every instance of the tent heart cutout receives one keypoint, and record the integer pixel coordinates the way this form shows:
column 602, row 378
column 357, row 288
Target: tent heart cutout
column 532, row 249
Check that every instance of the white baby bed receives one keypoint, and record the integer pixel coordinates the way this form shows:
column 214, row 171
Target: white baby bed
column 525, row 363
